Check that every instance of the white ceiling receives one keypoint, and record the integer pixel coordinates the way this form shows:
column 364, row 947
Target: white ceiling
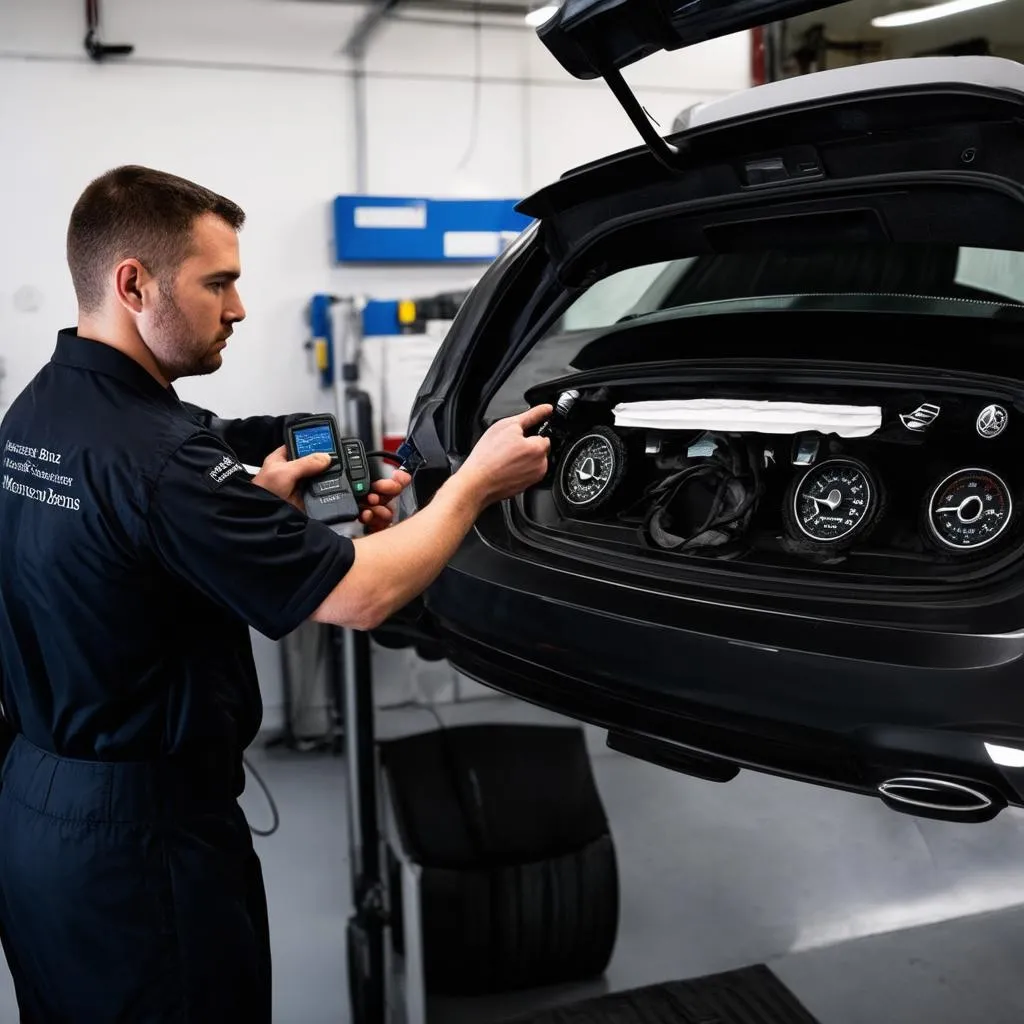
column 1002, row 23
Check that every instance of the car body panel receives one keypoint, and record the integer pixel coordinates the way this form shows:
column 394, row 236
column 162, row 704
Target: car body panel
column 991, row 74
column 578, row 646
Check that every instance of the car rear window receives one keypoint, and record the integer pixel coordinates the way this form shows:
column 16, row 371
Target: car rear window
column 986, row 275
column 911, row 271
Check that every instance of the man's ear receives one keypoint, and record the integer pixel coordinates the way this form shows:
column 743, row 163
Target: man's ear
column 130, row 277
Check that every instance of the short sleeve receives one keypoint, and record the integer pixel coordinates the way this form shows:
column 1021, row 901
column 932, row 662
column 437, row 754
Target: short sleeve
column 240, row 545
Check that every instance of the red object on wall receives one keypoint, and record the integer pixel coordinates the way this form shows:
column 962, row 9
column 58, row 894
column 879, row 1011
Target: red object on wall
column 758, row 68
column 392, row 442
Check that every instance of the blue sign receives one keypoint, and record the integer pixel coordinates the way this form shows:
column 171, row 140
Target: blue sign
column 383, row 229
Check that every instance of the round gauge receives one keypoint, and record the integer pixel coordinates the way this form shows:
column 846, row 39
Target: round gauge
column 969, row 509
column 834, row 502
column 589, row 472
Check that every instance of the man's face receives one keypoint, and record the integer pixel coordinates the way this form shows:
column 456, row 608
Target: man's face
column 195, row 307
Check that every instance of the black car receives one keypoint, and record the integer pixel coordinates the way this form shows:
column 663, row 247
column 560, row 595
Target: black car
column 783, row 527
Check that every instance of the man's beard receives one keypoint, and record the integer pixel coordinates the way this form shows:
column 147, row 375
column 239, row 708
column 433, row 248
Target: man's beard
column 180, row 351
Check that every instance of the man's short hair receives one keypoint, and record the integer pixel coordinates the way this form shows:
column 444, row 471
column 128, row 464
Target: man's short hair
column 138, row 213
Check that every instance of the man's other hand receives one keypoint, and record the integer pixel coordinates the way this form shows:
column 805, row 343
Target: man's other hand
column 282, row 476
column 376, row 514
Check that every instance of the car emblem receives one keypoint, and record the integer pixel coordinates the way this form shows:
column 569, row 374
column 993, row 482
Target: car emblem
column 992, row 421
column 923, row 416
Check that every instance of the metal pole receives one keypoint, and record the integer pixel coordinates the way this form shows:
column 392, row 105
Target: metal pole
column 365, row 933
column 360, row 762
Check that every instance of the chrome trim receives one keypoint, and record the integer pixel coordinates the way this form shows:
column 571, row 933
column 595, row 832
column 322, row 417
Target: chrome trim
column 938, row 787
column 922, row 417
column 991, row 421
column 767, row 648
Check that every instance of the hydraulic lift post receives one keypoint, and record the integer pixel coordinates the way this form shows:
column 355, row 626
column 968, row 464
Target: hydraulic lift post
column 365, row 931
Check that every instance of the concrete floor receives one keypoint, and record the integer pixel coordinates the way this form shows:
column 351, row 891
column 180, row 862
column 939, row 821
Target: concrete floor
column 871, row 917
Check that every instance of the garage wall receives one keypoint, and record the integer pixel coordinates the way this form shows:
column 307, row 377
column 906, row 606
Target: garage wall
column 252, row 98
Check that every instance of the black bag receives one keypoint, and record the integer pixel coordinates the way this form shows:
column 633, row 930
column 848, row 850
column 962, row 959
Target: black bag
column 707, row 504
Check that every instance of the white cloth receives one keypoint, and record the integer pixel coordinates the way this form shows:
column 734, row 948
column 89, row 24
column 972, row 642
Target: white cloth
column 761, row 417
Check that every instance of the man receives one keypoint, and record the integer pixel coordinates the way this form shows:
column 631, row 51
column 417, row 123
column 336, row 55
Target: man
column 135, row 552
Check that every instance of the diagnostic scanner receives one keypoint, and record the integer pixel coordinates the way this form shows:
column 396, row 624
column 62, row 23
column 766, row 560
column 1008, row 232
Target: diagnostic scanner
column 333, row 495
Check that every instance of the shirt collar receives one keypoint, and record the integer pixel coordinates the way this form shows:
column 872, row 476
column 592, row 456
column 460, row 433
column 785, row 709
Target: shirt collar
column 86, row 354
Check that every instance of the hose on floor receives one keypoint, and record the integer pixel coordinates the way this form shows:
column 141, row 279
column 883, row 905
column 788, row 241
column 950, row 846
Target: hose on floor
column 275, row 815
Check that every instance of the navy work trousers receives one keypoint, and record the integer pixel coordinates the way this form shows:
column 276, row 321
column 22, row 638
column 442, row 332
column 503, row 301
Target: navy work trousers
column 129, row 893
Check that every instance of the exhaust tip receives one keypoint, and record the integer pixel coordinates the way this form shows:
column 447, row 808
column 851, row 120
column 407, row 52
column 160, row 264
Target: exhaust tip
column 940, row 798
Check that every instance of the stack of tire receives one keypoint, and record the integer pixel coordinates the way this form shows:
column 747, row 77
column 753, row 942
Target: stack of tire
column 519, row 882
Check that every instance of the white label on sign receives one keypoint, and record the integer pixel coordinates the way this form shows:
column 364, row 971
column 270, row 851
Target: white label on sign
column 474, row 244
column 391, row 216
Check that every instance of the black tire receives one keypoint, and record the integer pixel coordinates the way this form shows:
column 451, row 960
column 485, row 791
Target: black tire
column 519, row 883
column 521, row 926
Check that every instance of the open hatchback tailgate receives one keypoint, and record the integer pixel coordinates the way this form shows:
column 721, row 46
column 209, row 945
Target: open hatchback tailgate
column 927, row 150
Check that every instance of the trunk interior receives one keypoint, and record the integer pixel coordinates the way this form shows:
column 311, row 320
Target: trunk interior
column 882, row 477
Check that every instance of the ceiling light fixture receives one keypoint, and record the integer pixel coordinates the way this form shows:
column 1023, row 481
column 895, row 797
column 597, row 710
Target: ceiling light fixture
column 922, row 14
column 539, row 15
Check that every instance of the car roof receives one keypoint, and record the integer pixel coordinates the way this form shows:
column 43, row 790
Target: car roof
column 990, row 73
column 986, row 72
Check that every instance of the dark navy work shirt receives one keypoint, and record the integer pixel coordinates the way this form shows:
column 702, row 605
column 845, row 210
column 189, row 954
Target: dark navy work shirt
column 134, row 553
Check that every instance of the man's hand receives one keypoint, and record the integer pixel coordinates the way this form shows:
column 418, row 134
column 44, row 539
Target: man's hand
column 504, row 462
column 377, row 514
column 281, row 475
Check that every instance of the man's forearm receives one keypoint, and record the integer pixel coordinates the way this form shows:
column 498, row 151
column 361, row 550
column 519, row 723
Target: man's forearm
column 396, row 565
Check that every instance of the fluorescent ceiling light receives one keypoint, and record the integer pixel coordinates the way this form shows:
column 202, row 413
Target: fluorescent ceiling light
column 922, row 14
column 541, row 14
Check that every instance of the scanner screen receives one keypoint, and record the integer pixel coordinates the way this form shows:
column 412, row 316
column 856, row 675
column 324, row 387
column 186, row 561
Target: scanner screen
column 315, row 439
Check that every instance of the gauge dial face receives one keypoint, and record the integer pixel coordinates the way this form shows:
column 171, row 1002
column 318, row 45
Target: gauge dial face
column 969, row 509
column 834, row 501
column 590, row 471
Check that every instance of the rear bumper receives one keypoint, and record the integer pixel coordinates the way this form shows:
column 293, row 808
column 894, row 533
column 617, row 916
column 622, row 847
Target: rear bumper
column 755, row 689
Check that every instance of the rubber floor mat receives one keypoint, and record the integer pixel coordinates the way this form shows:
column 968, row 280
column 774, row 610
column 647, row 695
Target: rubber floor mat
column 752, row 995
